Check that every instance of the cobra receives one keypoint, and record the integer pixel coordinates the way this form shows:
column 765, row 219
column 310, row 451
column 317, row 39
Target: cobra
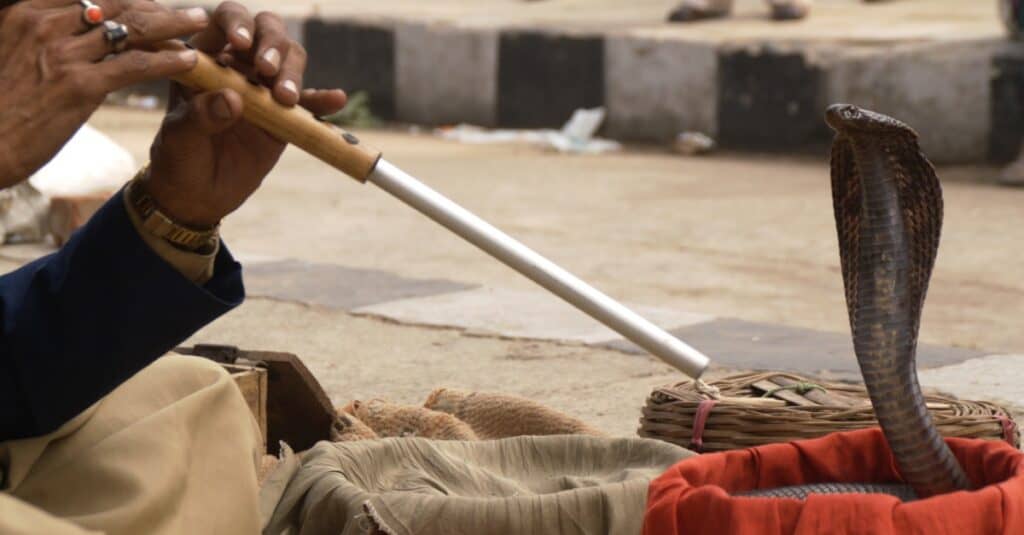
column 888, row 211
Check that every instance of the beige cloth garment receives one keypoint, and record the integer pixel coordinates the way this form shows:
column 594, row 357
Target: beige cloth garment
column 173, row 450
column 568, row 484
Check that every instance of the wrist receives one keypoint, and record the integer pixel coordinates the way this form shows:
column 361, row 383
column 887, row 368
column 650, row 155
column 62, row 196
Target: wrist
column 183, row 210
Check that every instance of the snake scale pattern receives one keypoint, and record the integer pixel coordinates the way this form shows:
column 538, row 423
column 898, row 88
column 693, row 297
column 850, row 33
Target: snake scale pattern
column 888, row 211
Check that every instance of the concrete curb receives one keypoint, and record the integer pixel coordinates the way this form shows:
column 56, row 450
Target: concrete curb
column 757, row 96
column 965, row 97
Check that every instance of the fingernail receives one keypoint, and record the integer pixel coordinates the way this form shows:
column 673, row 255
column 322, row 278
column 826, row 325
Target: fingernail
column 290, row 87
column 243, row 32
column 220, row 108
column 197, row 14
column 273, row 57
column 188, row 56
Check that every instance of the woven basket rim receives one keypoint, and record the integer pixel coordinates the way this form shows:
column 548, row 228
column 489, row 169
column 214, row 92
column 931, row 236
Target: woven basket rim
column 737, row 419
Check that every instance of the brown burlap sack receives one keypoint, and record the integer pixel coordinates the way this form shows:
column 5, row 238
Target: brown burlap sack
column 391, row 420
column 493, row 416
column 348, row 428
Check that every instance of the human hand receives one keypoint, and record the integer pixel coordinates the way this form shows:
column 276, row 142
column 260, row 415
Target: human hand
column 206, row 161
column 53, row 74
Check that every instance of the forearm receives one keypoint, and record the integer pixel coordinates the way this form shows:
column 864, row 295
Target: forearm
column 79, row 322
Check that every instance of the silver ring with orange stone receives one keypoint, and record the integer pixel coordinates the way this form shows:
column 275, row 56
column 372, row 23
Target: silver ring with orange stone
column 92, row 14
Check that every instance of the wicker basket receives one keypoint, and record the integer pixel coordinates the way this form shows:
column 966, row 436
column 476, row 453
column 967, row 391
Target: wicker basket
column 758, row 408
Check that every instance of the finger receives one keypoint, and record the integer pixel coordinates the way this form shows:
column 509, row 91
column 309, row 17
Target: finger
column 272, row 44
column 144, row 29
column 137, row 66
column 287, row 87
column 69, row 19
column 242, row 65
column 47, row 4
column 323, row 102
column 63, row 18
column 149, row 23
column 53, row 4
column 232, row 25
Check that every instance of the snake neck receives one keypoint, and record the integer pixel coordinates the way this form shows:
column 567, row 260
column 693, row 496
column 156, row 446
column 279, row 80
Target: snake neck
column 884, row 326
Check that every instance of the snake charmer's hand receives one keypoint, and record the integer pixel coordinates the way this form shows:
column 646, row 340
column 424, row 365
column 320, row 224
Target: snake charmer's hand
column 206, row 160
column 53, row 74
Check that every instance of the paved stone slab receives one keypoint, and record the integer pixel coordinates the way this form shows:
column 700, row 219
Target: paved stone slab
column 446, row 74
column 748, row 345
column 354, row 55
column 657, row 88
column 543, row 78
column 998, row 378
column 337, row 286
column 517, row 314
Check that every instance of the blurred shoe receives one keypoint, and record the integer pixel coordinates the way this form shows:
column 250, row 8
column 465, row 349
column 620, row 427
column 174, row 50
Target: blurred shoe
column 691, row 10
column 790, row 9
column 1012, row 13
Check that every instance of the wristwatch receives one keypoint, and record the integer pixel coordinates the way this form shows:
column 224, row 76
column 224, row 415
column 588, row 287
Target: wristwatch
column 158, row 224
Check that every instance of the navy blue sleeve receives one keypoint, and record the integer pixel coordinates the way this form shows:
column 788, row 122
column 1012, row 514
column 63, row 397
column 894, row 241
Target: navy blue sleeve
column 78, row 323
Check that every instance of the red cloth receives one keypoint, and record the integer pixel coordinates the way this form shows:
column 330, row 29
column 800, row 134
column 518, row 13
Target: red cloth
column 693, row 497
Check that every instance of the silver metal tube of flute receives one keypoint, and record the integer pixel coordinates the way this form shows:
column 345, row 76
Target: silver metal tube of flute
column 521, row 258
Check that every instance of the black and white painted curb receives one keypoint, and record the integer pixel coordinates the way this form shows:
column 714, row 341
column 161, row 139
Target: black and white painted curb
column 963, row 97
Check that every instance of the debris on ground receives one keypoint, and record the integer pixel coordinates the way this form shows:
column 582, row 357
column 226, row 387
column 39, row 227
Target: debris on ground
column 576, row 137
column 693, row 143
column 22, row 214
column 90, row 163
column 63, row 194
column 789, row 9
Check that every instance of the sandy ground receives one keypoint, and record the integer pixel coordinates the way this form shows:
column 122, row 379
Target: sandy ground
column 737, row 236
column 740, row 236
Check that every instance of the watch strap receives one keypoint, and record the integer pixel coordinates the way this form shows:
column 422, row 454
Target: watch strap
column 160, row 225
